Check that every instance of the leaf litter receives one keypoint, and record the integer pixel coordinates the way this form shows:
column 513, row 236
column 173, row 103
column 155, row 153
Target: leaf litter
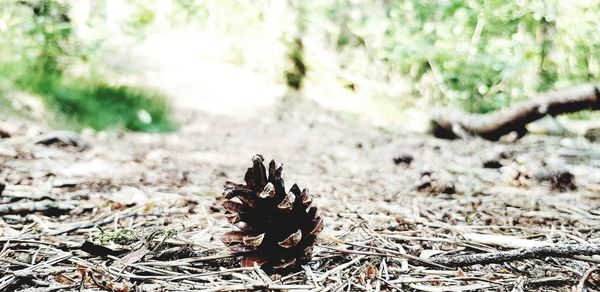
column 136, row 211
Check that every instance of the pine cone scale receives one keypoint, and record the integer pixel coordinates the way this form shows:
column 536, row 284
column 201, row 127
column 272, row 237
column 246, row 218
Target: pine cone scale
column 233, row 218
column 317, row 226
column 305, row 199
column 251, row 260
column 249, row 178
column 286, row 203
column 253, row 241
column 268, row 191
column 233, row 237
column 272, row 170
column 258, row 169
column 248, row 201
column 291, row 240
column 232, row 190
column 234, row 207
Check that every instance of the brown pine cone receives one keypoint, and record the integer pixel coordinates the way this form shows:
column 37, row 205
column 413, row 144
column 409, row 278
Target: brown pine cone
column 277, row 230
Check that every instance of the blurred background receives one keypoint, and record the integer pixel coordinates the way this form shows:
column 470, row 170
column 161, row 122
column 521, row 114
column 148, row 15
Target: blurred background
column 98, row 64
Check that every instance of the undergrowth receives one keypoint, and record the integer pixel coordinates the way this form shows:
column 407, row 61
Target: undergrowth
column 81, row 103
column 38, row 47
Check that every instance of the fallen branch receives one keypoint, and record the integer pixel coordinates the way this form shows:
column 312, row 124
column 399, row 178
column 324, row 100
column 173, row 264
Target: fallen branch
column 539, row 252
column 452, row 125
column 48, row 207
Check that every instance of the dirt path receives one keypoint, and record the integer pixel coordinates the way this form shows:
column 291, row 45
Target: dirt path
column 192, row 68
column 149, row 183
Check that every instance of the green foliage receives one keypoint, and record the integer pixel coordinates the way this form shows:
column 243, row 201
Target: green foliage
column 189, row 10
column 121, row 236
column 4, row 102
column 98, row 105
column 52, row 27
column 38, row 37
column 481, row 55
column 141, row 18
column 40, row 47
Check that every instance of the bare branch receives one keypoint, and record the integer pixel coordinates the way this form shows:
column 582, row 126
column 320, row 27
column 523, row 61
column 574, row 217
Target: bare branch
column 450, row 125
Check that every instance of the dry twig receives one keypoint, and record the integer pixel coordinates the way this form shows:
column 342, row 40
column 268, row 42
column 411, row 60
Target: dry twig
column 539, row 252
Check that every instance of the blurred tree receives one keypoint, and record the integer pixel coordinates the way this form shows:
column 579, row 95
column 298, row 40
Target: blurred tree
column 52, row 28
column 296, row 72
column 481, row 55
column 39, row 49
column 38, row 38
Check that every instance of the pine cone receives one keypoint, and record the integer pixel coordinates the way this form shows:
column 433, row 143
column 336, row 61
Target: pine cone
column 277, row 230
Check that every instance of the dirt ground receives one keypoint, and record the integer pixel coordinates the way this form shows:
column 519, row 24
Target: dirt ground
column 384, row 194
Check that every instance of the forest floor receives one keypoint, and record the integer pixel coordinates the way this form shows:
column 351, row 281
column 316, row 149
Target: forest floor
column 392, row 203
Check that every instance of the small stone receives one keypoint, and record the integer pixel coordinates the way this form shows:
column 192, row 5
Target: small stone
column 593, row 134
column 563, row 181
column 492, row 163
column 403, row 159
